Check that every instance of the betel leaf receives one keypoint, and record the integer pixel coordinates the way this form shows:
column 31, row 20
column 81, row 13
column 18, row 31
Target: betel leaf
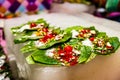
column 102, row 35
column 66, row 37
column 41, row 20
column 23, row 37
column 92, row 56
column 91, row 28
column 69, row 29
column 85, row 54
column 56, row 31
column 29, row 47
column 114, row 41
column 30, row 60
column 39, row 56
column 75, row 42
column 16, row 30
column 26, row 38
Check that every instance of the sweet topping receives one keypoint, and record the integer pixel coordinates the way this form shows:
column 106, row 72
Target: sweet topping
column 45, row 30
column 100, row 42
column 92, row 38
column 24, row 27
column 74, row 33
column 67, row 55
column 93, row 32
column 50, row 52
column 87, row 42
column 47, row 37
column 58, row 37
column 68, row 48
column 108, row 45
column 38, row 43
column 33, row 25
column 76, row 52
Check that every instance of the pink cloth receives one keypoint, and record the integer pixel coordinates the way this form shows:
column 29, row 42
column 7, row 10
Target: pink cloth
column 2, row 41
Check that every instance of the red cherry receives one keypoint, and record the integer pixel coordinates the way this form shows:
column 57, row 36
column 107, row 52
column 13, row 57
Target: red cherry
column 44, row 39
column 83, row 31
column 61, row 52
column 67, row 58
column 50, row 35
column 33, row 25
column 87, row 30
column 81, row 35
column 92, row 39
column 68, row 48
column 74, row 62
column 109, row 47
column 45, row 30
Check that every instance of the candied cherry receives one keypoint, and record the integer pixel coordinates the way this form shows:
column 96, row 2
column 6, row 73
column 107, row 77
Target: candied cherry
column 67, row 58
column 68, row 48
column 33, row 25
column 81, row 35
column 61, row 52
column 50, row 36
column 109, row 47
column 92, row 39
column 87, row 30
column 83, row 31
column 45, row 30
column 74, row 62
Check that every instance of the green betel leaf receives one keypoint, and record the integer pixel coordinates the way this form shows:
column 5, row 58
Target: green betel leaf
column 66, row 37
column 85, row 54
column 92, row 56
column 16, row 30
column 30, row 60
column 42, row 21
column 56, row 31
column 25, row 39
column 39, row 56
column 69, row 29
column 29, row 47
column 114, row 41
column 76, row 43
column 102, row 35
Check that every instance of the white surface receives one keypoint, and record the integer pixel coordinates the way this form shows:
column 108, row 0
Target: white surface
column 101, row 68
column 1, row 23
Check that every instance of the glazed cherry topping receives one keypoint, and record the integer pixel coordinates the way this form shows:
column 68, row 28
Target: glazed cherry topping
column 109, row 47
column 92, row 39
column 68, row 48
column 45, row 30
column 83, row 31
column 46, row 37
column 74, row 62
column 87, row 30
column 61, row 52
column 33, row 25
column 81, row 35
column 50, row 36
column 66, row 55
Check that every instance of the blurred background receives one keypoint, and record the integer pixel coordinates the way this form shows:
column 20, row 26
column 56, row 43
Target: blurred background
column 108, row 9
column 101, row 8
